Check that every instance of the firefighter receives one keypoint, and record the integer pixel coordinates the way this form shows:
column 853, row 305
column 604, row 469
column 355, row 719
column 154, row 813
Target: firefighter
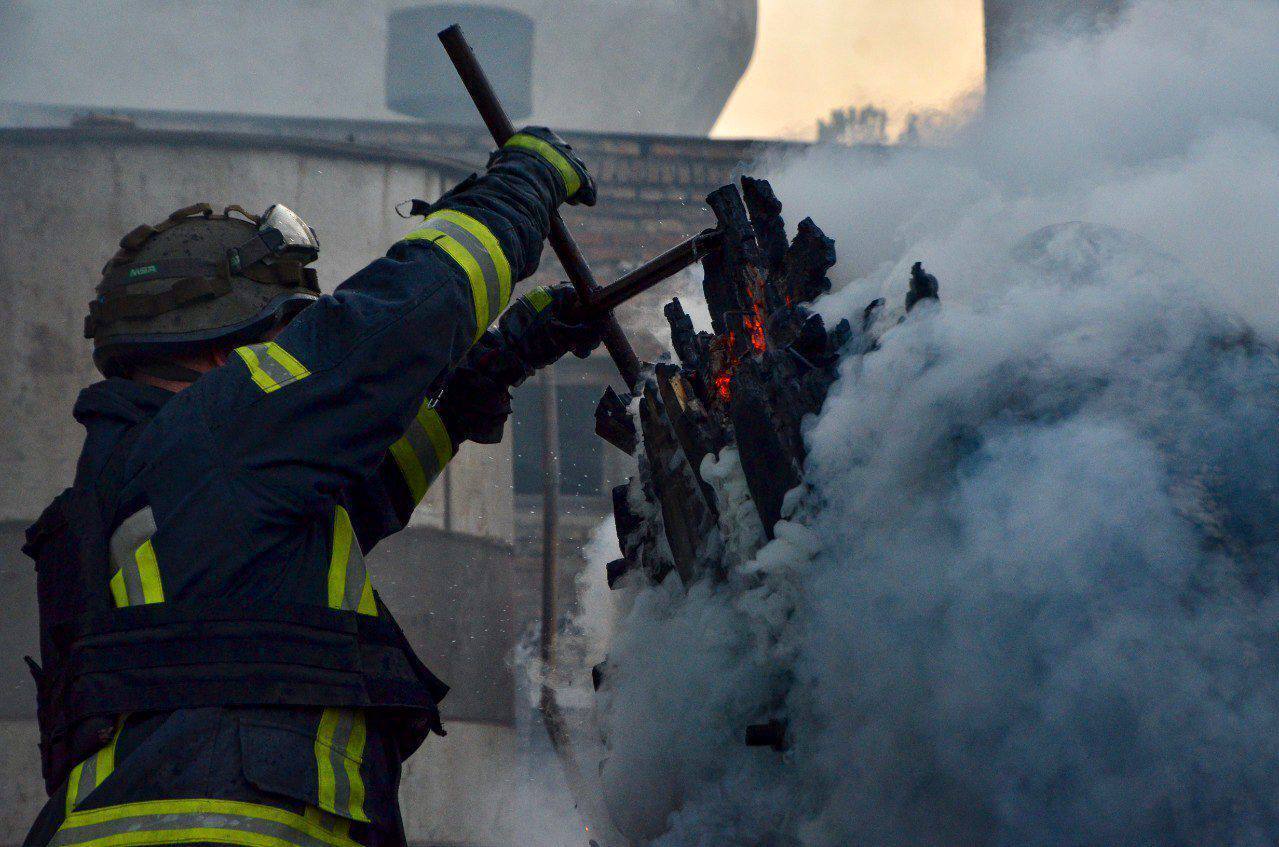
column 216, row 667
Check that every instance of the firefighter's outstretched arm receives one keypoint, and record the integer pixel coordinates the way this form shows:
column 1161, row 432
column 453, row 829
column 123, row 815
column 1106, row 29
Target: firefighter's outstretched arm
column 314, row 411
column 475, row 402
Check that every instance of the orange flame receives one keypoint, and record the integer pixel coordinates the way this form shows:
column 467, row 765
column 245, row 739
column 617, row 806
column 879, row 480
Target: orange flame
column 756, row 328
column 724, row 385
column 754, row 325
column 724, row 379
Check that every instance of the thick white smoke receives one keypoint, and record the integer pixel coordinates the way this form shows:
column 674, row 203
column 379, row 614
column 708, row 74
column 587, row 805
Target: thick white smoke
column 1031, row 597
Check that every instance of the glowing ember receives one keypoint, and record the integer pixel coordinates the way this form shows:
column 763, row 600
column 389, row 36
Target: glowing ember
column 756, row 328
column 755, row 324
column 724, row 378
column 724, row 385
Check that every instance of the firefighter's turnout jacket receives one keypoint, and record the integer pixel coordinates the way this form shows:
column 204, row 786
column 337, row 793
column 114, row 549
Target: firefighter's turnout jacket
column 216, row 664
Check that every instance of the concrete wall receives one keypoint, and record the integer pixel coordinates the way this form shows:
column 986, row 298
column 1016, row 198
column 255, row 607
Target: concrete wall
column 642, row 66
column 68, row 195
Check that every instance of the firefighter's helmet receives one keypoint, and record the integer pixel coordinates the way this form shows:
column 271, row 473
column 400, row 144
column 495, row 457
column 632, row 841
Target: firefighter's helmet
column 198, row 277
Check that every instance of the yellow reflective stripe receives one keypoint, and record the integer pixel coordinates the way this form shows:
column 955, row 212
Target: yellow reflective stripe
column 434, row 426
column 354, row 757
column 137, row 579
column 343, row 538
column 572, row 182
column 367, row 604
column 323, row 762
column 194, row 821
column 106, row 756
column 295, row 368
column 339, row 752
column 149, row 571
column 348, row 581
column 491, row 246
column 73, row 786
column 258, row 375
column 93, row 771
column 190, row 835
column 138, row 582
column 539, row 298
column 271, row 366
column 464, row 259
column 119, row 593
column 410, row 468
column 423, row 451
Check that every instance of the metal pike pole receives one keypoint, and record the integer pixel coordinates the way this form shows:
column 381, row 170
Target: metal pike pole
column 618, row 346
column 501, row 128
column 550, row 534
column 655, row 271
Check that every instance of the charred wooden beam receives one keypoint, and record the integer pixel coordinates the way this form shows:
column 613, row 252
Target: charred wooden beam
column 692, row 426
column 734, row 271
column 769, row 464
column 765, row 212
column 684, row 339
column 638, row 529
column 615, row 570
column 687, row 518
column 628, row 522
column 923, row 286
column 807, row 260
column 614, row 422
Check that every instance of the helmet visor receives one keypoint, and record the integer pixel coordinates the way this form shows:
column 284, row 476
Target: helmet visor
column 289, row 236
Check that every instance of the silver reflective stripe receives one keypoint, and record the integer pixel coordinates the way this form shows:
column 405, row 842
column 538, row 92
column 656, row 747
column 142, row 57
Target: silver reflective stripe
column 355, row 576
column 481, row 256
column 132, row 533
column 330, row 822
column 337, row 759
column 268, row 364
column 88, row 778
column 424, row 449
column 181, row 828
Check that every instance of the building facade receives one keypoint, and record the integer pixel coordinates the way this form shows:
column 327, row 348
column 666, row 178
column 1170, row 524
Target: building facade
column 657, row 65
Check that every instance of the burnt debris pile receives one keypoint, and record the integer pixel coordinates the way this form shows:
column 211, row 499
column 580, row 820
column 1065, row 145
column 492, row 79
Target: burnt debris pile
column 718, row 437
column 767, row 362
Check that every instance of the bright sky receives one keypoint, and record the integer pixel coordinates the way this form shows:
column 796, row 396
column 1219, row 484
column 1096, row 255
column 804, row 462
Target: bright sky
column 813, row 56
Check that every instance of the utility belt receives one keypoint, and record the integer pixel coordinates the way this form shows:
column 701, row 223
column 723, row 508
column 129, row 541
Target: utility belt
column 162, row 657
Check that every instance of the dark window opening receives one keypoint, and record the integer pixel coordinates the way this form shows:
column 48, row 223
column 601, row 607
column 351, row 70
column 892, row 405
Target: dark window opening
column 580, row 449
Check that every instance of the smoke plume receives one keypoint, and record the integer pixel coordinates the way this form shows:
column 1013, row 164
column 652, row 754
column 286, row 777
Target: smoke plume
column 1030, row 595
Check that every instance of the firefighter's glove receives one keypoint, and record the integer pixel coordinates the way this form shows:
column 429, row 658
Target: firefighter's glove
column 476, row 400
column 543, row 325
column 540, row 142
column 534, row 332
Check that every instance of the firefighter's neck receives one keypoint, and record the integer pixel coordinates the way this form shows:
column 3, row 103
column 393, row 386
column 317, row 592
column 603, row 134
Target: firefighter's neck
column 194, row 364
column 166, row 377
